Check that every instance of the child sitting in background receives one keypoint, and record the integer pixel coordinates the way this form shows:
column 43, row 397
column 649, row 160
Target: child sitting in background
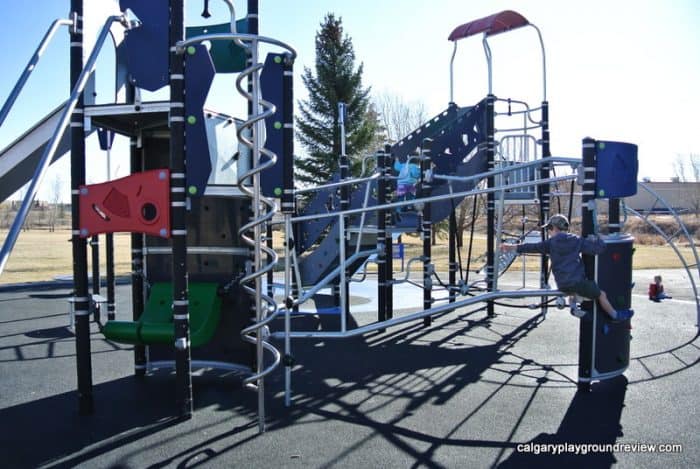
column 656, row 290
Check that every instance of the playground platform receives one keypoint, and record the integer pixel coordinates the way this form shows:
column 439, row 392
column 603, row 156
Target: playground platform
column 468, row 391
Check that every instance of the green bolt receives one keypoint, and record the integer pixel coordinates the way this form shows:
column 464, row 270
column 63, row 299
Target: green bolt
column 278, row 191
column 191, row 50
column 601, row 145
column 277, row 125
column 191, row 120
column 278, row 59
column 192, row 190
column 601, row 193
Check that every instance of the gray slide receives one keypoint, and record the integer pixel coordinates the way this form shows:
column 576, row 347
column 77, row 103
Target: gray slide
column 19, row 160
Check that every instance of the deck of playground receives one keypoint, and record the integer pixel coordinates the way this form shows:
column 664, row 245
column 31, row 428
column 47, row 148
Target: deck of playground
column 468, row 391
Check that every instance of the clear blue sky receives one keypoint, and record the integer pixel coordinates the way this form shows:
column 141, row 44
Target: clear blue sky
column 618, row 70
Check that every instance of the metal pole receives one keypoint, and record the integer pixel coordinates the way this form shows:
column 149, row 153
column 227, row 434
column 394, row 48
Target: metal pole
column 343, row 274
column 344, row 165
column 81, row 300
column 452, row 72
column 490, row 198
column 109, row 246
column 288, row 207
column 137, row 246
column 95, row 251
column 452, row 262
column 388, row 240
column 381, row 236
column 79, row 78
column 543, row 195
column 614, row 216
column 427, row 228
column 588, row 323
column 30, row 67
column 178, row 214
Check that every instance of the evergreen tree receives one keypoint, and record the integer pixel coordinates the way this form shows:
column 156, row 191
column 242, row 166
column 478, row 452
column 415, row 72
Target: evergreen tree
column 335, row 80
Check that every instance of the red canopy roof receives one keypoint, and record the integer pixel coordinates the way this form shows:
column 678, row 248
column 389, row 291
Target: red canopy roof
column 490, row 25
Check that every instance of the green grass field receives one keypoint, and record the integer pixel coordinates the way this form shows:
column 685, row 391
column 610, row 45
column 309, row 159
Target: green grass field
column 42, row 255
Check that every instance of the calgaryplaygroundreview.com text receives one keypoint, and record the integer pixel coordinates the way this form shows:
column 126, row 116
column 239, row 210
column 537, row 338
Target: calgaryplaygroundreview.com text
column 586, row 448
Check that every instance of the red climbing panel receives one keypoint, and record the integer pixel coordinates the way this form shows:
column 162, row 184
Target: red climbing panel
column 139, row 203
column 490, row 25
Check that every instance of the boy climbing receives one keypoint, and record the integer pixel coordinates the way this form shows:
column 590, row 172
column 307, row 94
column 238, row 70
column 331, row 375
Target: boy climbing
column 564, row 250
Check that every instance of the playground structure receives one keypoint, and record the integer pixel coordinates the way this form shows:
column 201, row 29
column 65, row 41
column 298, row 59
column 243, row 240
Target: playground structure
column 201, row 199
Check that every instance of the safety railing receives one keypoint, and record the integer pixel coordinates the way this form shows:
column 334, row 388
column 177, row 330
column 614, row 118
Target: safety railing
column 128, row 22
column 669, row 238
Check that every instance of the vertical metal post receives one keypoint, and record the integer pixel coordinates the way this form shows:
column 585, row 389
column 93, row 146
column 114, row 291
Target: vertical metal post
column 587, row 324
column 344, row 165
column 81, row 301
column 343, row 273
column 490, row 198
column 388, row 240
column 451, row 256
column 381, row 230
column 253, row 28
column 614, row 216
column 137, row 257
column 427, row 228
column 288, row 207
column 95, row 251
column 178, row 214
column 543, row 195
column 109, row 257
column 270, row 277
column 109, row 254
column 257, row 132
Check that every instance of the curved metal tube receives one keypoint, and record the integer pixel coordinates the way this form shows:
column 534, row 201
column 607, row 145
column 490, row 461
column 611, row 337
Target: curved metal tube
column 452, row 71
column 52, row 146
column 30, row 67
column 253, row 39
column 489, row 61
column 544, row 63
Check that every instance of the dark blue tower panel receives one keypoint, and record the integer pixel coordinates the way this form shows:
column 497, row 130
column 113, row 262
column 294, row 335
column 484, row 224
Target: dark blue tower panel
column 616, row 168
column 272, row 86
column 147, row 51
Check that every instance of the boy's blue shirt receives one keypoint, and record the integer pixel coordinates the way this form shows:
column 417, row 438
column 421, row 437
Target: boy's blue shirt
column 564, row 249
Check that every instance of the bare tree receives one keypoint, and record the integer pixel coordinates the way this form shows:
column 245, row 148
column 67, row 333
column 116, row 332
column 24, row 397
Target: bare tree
column 56, row 187
column 683, row 166
column 398, row 116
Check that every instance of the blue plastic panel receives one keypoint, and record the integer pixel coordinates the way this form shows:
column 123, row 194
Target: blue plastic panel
column 616, row 169
column 199, row 74
column 146, row 47
column 271, row 85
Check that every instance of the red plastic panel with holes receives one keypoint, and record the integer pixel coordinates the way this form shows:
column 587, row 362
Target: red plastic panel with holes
column 139, row 203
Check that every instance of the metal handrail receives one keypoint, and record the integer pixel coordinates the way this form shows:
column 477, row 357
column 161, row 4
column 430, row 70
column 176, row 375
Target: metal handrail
column 669, row 240
column 30, row 67
column 52, row 146
column 438, row 310
column 439, row 198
